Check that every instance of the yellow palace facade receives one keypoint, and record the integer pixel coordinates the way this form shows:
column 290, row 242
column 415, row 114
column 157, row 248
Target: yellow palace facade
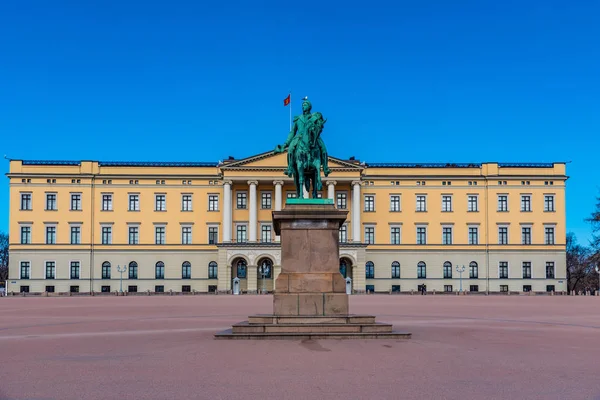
column 84, row 226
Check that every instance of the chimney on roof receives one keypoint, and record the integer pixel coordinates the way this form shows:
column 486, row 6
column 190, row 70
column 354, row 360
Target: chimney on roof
column 352, row 158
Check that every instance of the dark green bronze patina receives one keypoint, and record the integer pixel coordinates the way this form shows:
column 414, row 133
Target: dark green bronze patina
column 306, row 151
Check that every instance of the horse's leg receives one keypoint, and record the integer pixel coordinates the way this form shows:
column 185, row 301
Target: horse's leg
column 300, row 185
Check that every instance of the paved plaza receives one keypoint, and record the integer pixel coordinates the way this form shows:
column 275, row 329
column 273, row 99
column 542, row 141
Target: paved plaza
column 471, row 347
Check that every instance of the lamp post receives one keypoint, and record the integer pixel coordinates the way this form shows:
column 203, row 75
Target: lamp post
column 460, row 271
column 121, row 270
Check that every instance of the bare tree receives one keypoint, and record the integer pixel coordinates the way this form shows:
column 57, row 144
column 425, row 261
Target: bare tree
column 3, row 256
column 580, row 272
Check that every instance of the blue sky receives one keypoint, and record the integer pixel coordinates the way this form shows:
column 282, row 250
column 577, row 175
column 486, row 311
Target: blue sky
column 431, row 81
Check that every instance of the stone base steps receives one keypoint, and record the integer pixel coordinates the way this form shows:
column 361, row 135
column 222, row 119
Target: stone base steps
column 308, row 327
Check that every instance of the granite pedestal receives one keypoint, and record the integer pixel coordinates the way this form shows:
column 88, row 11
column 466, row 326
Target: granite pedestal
column 310, row 299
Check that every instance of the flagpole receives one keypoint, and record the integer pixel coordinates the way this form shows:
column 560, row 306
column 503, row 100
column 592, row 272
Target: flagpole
column 290, row 110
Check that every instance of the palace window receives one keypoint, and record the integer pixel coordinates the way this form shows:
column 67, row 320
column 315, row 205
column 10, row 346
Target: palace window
column 446, row 235
column 421, row 235
column 525, row 203
column 159, row 235
column 549, row 235
column 159, row 270
column 74, row 269
column 342, row 200
column 105, row 270
column 395, row 235
column 242, row 200
column 160, row 202
column 421, row 203
column 549, row 203
column 343, row 233
column 213, row 202
column 134, row 202
column 473, row 235
column 265, row 269
column 525, row 235
column 526, row 270
column 549, row 270
column 369, row 203
column 25, row 235
column 186, row 270
column 50, row 270
column 134, row 235
column 503, row 270
column 369, row 270
column 25, row 201
column 51, row 201
column 502, row 235
column 241, row 231
column 369, row 235
column 213, row 235
column 75, row 235
column 502, row 202
column 395, row 270
column 472, row 202
column 133, row 271
column 25, row 269
column 186, row 235
column 106, row 202
column 265, row 200
column 265, row 233
column 395, row 203
column 212, row 270
column 421, row 270
column 50, row 235
column 186, row 202
column 447, row 270
column 75, row 202
column 106, row 235
column 446, row 203
column 473, row 270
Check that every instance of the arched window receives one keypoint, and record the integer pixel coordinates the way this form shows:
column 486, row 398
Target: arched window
column 421, row 270
column 343, row 268
column 447, row 270
column 105, row 270
column 473, row 270
column 212, row 270
column 396, row 270
column 369, row 270
column 186, row 270
column 159, row 270
column 241, row 269
column 133, row 270
column 265, row 268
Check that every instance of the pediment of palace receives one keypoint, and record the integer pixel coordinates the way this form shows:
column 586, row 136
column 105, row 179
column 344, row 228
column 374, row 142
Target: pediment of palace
column 271, row 161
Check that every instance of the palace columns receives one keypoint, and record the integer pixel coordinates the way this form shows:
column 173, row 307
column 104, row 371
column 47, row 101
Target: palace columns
column 253, row 211
column 331, row 190
column 278, row 187
column 227, row 211
column 356, row 211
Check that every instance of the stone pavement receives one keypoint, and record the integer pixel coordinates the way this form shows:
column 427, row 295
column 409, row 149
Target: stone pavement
column 159, row 347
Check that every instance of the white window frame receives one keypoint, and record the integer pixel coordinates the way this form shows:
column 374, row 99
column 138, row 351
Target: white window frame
column 365, row 202
column 30, row 201
column 498, row 202
column 129, row 226
column 25, row 225
column 507, row 270
column 191, row 203
column 271, row 233
column 523, row 195
column 208, row 232
column 78, row 272
column 553, row 196
column 270, row 193
column 55, row 194
column 156, row 202
column 451, row 227
column 163, row 226
column 110, row 201
column 71, row 226
column 417, row 202
column 218, row 202
column 530, row 226
column 451, row 203
column 476, row 202
column 469, row 226
column 345, row 225
column 553, row 226
column 399, row 226
column 191, row 238
column 365, row 227
column 110, row 226
column 80, row 206
column 417, row 226
column 46, row 226
column 392, row 195
column 236, row 232
column 137, row 203
column 28, row 269
column 247, row 205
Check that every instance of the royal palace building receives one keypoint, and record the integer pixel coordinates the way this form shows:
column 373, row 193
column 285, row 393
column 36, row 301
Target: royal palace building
column 81, row 226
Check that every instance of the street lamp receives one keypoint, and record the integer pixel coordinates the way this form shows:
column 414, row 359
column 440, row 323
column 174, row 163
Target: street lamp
column 121, row 270
column 460, row 271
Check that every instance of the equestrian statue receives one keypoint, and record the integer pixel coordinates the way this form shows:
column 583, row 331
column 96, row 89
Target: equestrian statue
column 306, row 152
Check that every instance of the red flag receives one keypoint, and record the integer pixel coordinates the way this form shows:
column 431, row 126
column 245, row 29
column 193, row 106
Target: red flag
column 287, row 100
